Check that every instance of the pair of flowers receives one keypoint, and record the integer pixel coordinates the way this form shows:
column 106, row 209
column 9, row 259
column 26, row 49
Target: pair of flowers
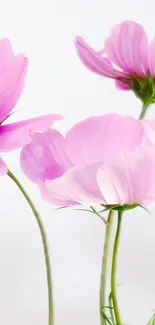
column 107, row 160
column 113, row 154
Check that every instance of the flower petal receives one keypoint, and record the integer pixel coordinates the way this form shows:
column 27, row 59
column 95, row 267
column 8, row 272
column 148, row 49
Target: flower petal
column 3, row 168
column 100, row 138
column 152, row 57
column 94, row 60
column 6, row 53
column 78, row 184
column 127, row 47
column 15, row 135
column 127, row 180
column 122, row 85
column 149, row 132
column 56, row 197
column 45, row 157
column 12, row 74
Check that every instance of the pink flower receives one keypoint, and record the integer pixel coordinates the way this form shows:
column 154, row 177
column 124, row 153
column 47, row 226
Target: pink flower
column 101, row 160
column 127, row 57
column 13, row 69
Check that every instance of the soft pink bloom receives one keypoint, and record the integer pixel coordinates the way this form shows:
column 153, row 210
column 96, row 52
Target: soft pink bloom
column 13, row 69
column 128, row 179
column 126, row 54
column 100, row 160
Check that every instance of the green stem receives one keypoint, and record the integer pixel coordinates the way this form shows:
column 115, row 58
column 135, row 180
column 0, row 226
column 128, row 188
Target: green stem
column 144, row 110
column 113, row 272
column 107, row 245
column 105, row 265
column 45, row 246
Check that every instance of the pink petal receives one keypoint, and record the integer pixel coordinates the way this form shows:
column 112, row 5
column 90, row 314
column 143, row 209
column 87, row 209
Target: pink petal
column 6, row 54
column 122, row 85
column 127, row 180
column 77, row 185
column 3, row 168
column 127, row 47
column 15, row 135
column 12, row 74
column 101, row 138
column 45, row 157
column 149, row 173
column 149, row 132
column 152, row 57
column 54, row 197
column 94, row 60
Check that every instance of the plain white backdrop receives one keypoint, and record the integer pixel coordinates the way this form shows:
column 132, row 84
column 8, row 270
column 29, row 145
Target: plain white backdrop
column 57, row 82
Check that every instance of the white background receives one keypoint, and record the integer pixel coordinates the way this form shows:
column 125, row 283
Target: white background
column 57, row 82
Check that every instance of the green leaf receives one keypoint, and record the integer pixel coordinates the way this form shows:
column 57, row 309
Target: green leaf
column 152, row 320
column 106, row 317
column 112, row 312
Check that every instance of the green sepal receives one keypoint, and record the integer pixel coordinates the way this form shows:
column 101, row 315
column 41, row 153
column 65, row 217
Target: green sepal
column 144, row 89
column 60, row 208
column 136, row 85
column 148, row 86
column 122, row 208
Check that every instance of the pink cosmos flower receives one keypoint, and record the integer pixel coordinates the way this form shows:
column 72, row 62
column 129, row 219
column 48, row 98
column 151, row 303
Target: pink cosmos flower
column 127, row 57
column 100, row 160
column 13, row 69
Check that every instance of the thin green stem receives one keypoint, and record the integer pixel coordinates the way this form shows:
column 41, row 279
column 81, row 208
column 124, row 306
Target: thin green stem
column 45, row 246
column 105, row 260
column 113, row 271
column 144, row 111
column 105, row 265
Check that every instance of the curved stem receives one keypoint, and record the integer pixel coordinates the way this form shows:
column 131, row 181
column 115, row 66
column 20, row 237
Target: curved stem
column 105, row 265
column 113, row 272
column 45, row 246
column 144, row 110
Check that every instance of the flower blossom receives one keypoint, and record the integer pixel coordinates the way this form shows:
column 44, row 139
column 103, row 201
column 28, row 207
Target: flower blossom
column 106, row 160
column 127, row 57
column 13, row 69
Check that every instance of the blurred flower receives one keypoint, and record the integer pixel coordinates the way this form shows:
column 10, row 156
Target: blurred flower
column 101, row 160
column 13, row 69
column 127, row 57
